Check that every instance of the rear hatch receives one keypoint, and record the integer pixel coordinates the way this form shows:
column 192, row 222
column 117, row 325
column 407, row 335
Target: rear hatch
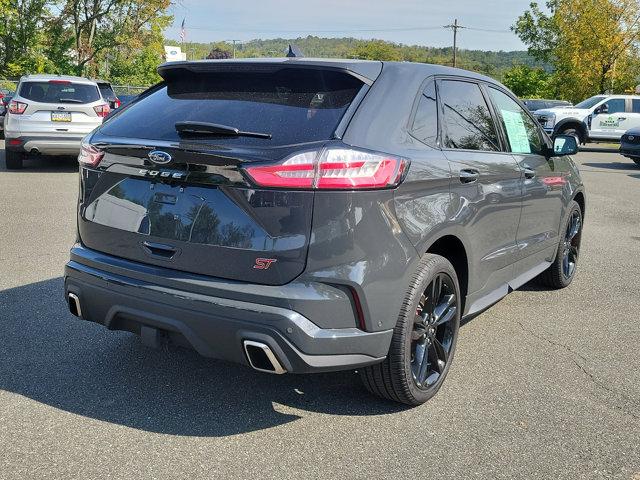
column 59, row 106
column 183, row 201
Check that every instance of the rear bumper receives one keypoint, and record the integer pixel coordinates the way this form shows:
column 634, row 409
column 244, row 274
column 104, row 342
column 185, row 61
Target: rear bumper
column 65, row 145
column 123, row 298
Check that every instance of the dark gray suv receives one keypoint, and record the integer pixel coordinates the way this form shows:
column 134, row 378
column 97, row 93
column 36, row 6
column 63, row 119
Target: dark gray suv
column 303, row 215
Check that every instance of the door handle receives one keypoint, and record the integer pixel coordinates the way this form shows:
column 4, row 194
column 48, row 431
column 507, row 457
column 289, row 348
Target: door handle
column 160, row 250
column 469, row 175
column 622, row 118
column 529, row 173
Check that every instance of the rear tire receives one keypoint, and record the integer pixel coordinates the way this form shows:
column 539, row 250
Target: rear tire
column 14, row 160
column 424, row 338
column 563, row 269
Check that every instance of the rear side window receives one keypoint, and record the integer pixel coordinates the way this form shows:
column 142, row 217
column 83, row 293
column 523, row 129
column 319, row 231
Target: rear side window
column 59, row 91
column 466, row 119
column 635, row 106
column 293, row 105
column 425, row 123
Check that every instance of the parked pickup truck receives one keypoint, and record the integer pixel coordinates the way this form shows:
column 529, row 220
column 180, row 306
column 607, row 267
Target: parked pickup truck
column 602, row 117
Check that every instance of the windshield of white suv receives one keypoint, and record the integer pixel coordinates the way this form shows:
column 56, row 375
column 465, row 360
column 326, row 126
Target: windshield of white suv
column 590, row 102
column 59, row 91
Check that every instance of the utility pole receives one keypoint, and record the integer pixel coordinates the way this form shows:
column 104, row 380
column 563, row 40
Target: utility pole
column 234, row 47
column 455, row 28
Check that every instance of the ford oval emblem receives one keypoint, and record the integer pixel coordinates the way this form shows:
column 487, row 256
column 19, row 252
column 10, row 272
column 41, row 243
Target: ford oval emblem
column 160, row 157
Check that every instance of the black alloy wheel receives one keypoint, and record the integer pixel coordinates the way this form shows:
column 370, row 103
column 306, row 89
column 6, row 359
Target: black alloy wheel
column 433, row 331
column 563, row 268
column 571, row 245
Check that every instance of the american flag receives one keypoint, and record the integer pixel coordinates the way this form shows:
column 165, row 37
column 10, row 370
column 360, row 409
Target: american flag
column 183, row 33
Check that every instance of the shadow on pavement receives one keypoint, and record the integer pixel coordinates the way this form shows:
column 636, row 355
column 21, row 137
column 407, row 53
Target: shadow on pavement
column 611, row 165
column 51, row 357
column 42, row 164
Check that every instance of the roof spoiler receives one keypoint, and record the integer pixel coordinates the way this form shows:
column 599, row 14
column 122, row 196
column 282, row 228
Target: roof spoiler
column 367, row 72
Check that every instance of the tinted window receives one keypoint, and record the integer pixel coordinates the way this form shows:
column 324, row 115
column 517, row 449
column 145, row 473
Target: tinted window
column 521, row 130
column 425, row 123
column 616, row 105
column 294, row 105
column 106, row 91
column 59, row 91
column 467, row 122
column 635, row 106
column 534, row 105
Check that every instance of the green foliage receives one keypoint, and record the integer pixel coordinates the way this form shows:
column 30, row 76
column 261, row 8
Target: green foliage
column 527, row 82
column 376, row 50
column 487, row 62
column 591, row 44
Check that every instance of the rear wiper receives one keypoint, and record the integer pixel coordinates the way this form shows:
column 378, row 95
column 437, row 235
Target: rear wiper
column 69, row 100
column 205, row 128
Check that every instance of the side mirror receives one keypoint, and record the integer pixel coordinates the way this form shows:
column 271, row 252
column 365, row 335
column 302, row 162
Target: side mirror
column 564, row 145
column 604, row 108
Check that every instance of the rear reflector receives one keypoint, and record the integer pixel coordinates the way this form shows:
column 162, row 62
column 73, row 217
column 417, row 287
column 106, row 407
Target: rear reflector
column 90, row 156
column 17, row 108
column 14, row 142
column 102, row 110
column 332, row 168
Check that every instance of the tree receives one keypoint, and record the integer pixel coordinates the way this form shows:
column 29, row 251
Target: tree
column 592, row 44
column 376, row 50
column 21, row 35
column 528, row 82
column 218, row 53
column 99, row 25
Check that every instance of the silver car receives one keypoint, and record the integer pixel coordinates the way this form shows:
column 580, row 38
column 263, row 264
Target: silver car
column 50, row 114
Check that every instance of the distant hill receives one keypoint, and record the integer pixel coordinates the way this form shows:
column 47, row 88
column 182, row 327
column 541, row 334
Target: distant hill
column 487, row 62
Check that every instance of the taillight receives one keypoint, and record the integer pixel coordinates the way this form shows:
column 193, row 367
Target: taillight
column 90, row 156
column 17, row 108
column 332, row 168
column 102, row 110
column 117, row 103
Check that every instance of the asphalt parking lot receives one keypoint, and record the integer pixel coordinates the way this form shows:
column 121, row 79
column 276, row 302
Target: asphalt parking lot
column 545, row 384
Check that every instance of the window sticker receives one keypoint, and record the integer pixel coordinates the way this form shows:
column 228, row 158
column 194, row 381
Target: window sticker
column 516, row 131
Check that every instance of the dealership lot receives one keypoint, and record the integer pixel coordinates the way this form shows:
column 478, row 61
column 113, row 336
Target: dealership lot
column 545, row 384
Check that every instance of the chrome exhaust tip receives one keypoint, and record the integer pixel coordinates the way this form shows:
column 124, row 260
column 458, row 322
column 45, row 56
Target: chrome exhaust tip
column 262, row 358
column 74, row 305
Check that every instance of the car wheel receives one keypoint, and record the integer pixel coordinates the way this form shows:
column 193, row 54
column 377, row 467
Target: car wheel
column 563, row 269
column 574, row 132
column 424, row 338
column 13, row 159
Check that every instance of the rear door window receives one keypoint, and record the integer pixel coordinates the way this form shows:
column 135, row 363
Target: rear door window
column 59, row 91
column 467, row 121
column 293, row 105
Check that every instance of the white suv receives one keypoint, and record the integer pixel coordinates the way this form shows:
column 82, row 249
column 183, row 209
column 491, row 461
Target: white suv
column 603, row 117
column 51, row 114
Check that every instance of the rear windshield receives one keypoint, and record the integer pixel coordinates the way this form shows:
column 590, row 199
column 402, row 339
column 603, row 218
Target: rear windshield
column 58, row 91
column 293, row 105
column 106, row 91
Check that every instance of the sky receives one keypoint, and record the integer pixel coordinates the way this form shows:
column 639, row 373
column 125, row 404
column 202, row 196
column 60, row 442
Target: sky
column 410, row 22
